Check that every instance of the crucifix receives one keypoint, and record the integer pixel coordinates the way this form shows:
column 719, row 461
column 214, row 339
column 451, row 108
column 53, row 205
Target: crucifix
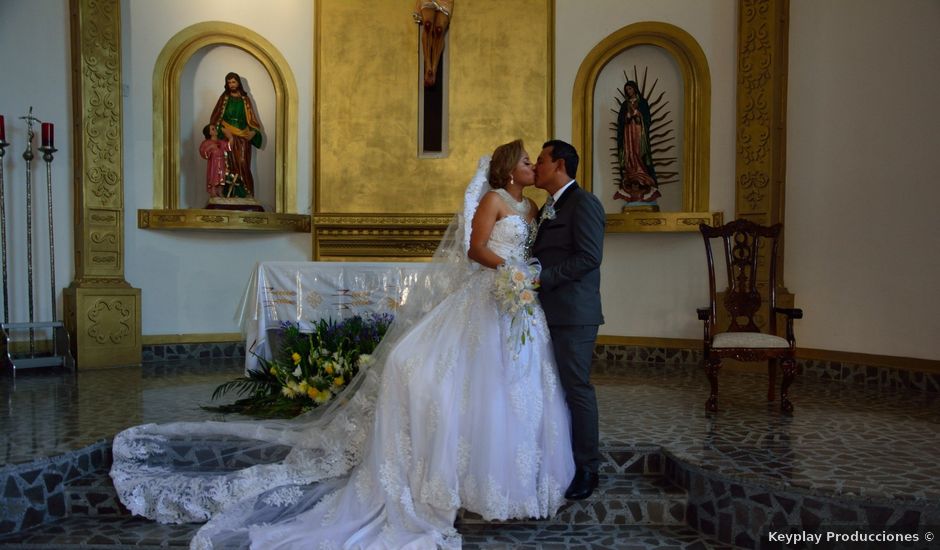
column 434, row 19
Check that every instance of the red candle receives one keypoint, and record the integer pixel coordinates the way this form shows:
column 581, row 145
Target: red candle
column 3, row 130
column 48, row 136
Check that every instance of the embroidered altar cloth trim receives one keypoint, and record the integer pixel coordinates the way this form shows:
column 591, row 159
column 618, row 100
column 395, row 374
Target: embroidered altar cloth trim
column 305, row 292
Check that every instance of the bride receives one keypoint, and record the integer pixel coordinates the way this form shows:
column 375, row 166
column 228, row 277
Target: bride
column 453, row 413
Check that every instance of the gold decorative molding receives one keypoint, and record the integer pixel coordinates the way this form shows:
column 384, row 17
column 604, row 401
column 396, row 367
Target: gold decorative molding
column 693, row 67
column 346, row 237
column 195, row 338
column 654, row 222
column 760, row 166
column 238, row 220
column 102, row 311
column 166, row 106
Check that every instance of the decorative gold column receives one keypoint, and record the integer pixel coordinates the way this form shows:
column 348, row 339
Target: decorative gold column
column 760, row 168
column 102, row 311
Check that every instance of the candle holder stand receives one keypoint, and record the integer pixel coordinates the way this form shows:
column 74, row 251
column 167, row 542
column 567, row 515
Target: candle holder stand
column 60, row 352
column 3, row 237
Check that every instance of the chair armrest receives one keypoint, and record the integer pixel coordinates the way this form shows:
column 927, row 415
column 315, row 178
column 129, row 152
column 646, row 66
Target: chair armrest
column 704, row 313
column 791, row 312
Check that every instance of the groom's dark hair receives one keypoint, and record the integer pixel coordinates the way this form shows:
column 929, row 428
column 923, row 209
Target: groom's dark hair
column 566, row 152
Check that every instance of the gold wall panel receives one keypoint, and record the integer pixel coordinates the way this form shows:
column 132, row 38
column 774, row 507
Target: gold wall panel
column 102, row 311
column 499, row 89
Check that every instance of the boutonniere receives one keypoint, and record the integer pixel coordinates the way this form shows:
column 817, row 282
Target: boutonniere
column 548, row 212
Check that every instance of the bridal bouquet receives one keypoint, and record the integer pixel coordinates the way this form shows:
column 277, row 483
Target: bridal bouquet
column 308, row 368
column 515, row 291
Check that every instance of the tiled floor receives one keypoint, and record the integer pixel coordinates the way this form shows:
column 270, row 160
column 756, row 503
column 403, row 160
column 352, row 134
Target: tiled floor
column 47, row 412
column 842, row 441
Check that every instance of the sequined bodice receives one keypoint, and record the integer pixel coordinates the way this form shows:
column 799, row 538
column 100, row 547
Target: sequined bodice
column 510, row 237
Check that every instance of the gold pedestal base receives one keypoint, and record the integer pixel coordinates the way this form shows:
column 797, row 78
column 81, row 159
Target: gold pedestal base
column 104, row 324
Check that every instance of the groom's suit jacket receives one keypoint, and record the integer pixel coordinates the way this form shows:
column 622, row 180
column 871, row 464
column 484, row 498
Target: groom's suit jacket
column 570, row 248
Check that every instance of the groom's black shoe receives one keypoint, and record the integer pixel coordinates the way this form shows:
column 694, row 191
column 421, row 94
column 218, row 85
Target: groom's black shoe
column 582, row 485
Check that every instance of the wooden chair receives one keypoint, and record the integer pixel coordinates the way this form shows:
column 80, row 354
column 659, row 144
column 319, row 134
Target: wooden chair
column 742, row 339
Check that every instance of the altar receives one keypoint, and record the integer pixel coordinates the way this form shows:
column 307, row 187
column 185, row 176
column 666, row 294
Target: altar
column 305, row 292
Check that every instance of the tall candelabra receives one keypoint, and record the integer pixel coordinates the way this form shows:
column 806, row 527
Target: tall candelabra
column 48, row 149
column 28, row 157
column 3, row 225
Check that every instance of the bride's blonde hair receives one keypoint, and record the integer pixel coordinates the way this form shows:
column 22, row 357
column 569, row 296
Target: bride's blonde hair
column 504, row 160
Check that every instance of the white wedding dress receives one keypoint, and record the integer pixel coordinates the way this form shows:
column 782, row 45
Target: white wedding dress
column 459, row 418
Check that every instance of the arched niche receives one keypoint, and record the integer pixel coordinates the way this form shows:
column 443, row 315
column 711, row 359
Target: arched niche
column 280, row 129
column 685, row 58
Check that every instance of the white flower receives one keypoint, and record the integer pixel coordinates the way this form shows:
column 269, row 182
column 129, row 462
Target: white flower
column 526, row 296
column 297, row 372
column 548, row 213
column 514, row 291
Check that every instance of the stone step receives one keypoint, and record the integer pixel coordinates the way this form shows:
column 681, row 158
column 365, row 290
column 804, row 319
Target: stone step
column 625, row 458
column 111, row 533
column 585, row 537
column 125, row 533
column 93, row 495
column 620, row 499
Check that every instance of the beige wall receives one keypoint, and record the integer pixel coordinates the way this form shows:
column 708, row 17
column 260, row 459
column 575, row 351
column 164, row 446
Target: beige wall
column 862, row 187
column 34, row 71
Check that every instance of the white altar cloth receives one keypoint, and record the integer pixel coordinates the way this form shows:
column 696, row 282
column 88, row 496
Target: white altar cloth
column 305, row 292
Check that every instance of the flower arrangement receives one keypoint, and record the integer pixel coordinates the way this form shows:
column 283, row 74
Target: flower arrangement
column 307, row 369
column 515, row 292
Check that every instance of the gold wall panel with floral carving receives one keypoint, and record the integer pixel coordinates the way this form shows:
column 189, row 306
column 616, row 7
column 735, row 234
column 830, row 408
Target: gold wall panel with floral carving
column 102, row 311
column 760, row 165
column 106, row 325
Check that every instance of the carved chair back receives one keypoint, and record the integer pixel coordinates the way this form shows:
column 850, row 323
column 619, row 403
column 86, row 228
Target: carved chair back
column 743, row 240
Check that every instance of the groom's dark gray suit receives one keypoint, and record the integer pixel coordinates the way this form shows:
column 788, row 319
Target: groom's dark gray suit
column 570, row 248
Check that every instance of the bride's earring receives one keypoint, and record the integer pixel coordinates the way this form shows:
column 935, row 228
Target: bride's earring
column 512, row 181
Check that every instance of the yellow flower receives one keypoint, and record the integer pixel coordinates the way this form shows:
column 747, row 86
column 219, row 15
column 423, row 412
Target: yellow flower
column 296, row 357
column 323, row 397
column 338, row 381
column 329, row 368
column 287, row 392
column 303, row 386
column 273, row 371
column 312, row 392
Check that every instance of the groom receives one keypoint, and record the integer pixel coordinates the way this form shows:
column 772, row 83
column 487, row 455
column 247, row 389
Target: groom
column 569, row 246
